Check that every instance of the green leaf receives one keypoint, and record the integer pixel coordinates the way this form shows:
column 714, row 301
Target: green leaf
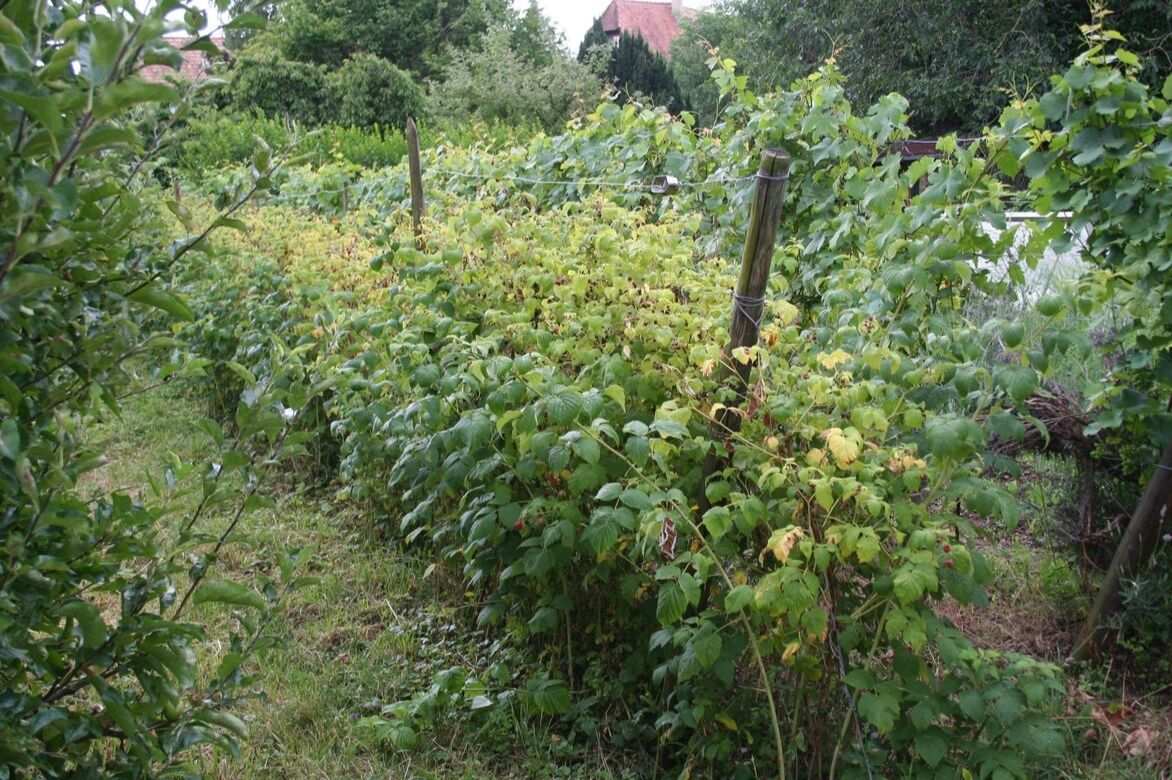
column 1050, row 305
column 247, row 21
column 953, row 438
column 752, row 513
column 669, row 429
column 587, row 449
column 1013, row 334
column 867, row 546
column 225, row 592
column 636, row 499
column 880, row 709
column 1018, row 381
column 908, row 587
column 717, row 521
column 152, row 295
column 638, row 449
column 824, row 493
column 130, row 92
column 1008, row 705
column 89, row 620
column 608, row 492
column 43, row 109
column 738, row 598
column 9, row 439
column 10, row 33
column 115, row 706
column 815, row 621
column 564, row 405
column 972, row 705
column 671, row 603
column 717, row 491
column 1053, row 105
column 601, row 535
column 549, row 697
column 246, row 376
column 587, row 477
column 1006, row 426
column 706, row 647
column 691, row 588
column 860, row 678
column 618, row 395
column 426, row 375
column 224, row 720
column 932, row 747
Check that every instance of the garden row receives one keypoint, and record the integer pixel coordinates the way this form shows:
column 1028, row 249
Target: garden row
column 531, row 399
column 528, row 399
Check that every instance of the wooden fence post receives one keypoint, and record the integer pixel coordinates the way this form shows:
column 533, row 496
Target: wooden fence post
column 417, row 205
column 749, row 298
column 748, row 305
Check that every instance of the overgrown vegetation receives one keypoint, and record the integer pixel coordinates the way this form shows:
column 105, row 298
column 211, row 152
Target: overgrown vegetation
column 530, row 401
column 104, row 672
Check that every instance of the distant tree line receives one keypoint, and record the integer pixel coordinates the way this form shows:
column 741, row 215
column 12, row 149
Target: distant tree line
column 375, row 62
column 957, row 61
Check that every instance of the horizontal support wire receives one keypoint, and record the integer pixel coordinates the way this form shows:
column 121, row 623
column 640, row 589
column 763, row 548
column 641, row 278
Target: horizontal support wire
column 596, row 182
column 630, row 184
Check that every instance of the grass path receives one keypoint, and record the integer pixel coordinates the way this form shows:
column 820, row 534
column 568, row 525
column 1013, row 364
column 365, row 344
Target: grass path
column 372, row 632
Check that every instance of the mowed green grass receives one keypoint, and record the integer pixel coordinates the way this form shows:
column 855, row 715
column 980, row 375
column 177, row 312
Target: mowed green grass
column 372, row 631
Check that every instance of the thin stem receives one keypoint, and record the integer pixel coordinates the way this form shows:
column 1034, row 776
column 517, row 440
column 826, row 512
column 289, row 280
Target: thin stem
column 196, row 580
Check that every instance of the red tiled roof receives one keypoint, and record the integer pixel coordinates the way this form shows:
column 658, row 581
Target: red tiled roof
column 654, row 21
column 196, row 64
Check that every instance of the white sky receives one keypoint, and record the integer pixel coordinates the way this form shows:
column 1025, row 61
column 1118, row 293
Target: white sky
column 574, row 17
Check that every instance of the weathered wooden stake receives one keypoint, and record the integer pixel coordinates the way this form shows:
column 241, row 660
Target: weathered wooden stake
column 748, row 306
column 417, row 205
column 748, row 300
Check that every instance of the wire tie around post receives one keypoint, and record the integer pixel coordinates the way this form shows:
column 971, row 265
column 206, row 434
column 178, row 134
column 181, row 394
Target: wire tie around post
column 751, row 307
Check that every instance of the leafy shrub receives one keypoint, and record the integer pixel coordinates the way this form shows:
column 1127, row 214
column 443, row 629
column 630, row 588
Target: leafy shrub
column 495, row 83
column 370, row 91
column 278, row 87
column 376, row 146
column 107, row 669
column 212, row 142
column 533, row 401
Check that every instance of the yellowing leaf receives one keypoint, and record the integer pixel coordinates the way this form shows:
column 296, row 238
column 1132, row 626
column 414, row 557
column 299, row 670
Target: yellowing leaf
column 816, row 457
column 743, row 355
column 833, row 360
column 782, row 541
column 844, row 448
column 785, row 312
column 724, row 719
column 790, row 651
column 904, row 461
